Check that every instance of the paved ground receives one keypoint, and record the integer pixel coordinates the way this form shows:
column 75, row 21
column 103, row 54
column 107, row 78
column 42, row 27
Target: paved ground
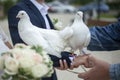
column 111, row 57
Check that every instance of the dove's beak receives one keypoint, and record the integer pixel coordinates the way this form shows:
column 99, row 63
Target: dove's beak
column 17, row 16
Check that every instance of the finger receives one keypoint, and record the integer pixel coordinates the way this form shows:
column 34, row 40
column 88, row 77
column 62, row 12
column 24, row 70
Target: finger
column 61, row 65
column 76, row 61
column 85, row 61
column 91, row 61
column 88, row 75
column 81, row 60
column 75, row 65
column 65, row 65
column 83, row 76
column 72, row 66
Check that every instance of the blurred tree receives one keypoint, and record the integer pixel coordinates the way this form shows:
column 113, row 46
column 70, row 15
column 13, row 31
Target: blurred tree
column 18, row 0
column 48, row 0
column 115, row 6
column 1, row 11
column 7, row 4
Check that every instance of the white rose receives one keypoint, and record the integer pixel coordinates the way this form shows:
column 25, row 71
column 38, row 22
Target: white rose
column 18, row 53
column 2, row 60
column 11, row 65
column 15, row 51
column 9, row 72
column 26, row 63
column 37, row 58
column 46, row 57
column 29, row 51
column 20, row 45
column 39, row 70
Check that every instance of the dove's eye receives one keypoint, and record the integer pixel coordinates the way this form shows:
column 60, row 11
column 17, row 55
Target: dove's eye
column 77, row 13
column 22, row 14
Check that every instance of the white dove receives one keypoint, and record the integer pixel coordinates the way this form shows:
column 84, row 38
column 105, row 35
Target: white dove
column 49, row 40
column 81, row 34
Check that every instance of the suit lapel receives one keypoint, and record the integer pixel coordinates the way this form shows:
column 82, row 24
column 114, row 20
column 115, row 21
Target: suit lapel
column 51, row 25
column 38, row 15
column 36, row 12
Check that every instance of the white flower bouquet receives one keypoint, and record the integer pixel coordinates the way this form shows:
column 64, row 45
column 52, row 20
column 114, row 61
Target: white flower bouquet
column 25, row 63
column 57, row 24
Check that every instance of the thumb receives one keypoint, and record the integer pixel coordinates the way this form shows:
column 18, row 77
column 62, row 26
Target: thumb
column 86, row 75
column 83, row 75
column 91, row 61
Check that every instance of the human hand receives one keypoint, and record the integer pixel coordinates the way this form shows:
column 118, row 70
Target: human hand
column 99, row 70
column 81, row 60
column 63, row 65
column 65, row 61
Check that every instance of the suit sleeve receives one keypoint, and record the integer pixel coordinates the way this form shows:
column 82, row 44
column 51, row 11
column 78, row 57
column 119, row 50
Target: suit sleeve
column 105, row 38
column 13, row 24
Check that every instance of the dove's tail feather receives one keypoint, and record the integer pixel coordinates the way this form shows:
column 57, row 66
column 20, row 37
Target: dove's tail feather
column 66, row 33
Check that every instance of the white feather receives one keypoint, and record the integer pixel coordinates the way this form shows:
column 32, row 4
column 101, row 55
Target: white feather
column 49, row 40
column 81, row 34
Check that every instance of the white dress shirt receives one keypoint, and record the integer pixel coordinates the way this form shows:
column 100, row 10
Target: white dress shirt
column 43, row 8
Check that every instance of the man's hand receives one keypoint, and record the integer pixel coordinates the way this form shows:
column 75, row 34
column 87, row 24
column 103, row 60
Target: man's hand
column 81, row 60
column 63, row 65
column 65, row 62
column 99, row 69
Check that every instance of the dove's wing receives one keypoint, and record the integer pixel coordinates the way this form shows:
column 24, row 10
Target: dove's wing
column 53, row 40
column 88, row 37
column 66, row 33
column 31, row 36
column 80, row 33
column 49, row 40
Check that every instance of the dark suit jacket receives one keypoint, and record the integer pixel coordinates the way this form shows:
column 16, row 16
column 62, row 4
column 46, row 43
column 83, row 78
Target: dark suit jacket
column 35, row 17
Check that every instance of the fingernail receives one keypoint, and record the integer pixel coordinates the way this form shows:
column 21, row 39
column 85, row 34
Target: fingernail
column 64, row 60
column 71, row 63
column 60, row 60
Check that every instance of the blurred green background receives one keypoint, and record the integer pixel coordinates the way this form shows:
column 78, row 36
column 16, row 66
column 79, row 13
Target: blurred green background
column 113, row 4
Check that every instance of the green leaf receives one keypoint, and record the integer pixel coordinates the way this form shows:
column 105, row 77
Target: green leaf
column 5, row 76
column 38, row 49
column 55, row 20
